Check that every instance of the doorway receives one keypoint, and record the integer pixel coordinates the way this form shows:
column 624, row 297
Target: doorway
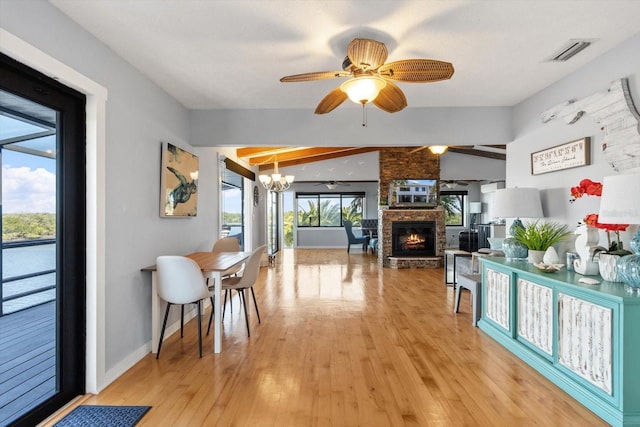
column 42, row 312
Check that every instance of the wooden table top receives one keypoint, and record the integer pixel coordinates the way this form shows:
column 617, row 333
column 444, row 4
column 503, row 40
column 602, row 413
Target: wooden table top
column 213, row 261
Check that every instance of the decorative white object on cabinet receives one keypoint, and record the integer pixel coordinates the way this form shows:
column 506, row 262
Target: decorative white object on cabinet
column 551, row 256
column 586, row 241
column 615, row 111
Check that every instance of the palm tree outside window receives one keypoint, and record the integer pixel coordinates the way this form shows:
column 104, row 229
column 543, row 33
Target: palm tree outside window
column 329, row 210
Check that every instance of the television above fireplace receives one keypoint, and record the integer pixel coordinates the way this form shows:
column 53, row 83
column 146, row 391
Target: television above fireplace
column 413, row 193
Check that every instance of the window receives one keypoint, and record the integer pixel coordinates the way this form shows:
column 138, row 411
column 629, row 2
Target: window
column 329, row 210
column 453, row 203
column 232, row 206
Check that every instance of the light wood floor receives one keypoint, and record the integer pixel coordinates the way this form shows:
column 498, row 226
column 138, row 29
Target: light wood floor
column 345, row 343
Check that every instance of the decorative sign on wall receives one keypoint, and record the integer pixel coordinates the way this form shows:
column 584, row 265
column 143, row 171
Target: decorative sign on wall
column 620, row 121
column 565, row 156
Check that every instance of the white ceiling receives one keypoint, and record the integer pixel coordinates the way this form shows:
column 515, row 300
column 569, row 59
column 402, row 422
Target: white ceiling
column 230, row 54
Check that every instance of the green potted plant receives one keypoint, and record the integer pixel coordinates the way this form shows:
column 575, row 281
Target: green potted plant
column 539, row 236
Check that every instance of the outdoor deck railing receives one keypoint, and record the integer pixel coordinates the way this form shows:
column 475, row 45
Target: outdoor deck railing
column 32, row 291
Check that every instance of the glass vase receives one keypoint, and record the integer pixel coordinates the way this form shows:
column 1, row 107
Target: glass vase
column 628, row 268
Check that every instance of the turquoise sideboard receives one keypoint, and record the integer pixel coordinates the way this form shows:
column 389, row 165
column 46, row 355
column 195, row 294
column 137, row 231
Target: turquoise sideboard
column 584, row 338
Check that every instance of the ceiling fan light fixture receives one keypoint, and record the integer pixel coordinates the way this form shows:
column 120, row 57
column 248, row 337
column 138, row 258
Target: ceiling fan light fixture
column 438, row 149
column 332, row 186
column 363, row 90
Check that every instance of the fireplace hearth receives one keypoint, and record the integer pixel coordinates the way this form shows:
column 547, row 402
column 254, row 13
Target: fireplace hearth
column 413, row 238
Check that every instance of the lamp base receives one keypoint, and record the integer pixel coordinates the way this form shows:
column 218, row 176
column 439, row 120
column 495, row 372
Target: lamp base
column 628, row 267
column 514, row 250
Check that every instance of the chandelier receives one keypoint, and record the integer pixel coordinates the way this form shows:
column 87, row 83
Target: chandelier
column 275, row 181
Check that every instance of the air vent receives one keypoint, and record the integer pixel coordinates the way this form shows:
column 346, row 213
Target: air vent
column 569, row 50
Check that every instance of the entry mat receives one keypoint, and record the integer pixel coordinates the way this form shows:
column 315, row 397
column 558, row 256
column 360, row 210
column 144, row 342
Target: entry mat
column 100, row 415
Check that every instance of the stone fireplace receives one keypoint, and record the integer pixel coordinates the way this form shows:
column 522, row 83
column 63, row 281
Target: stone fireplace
column 407, row 163
column 431, row 226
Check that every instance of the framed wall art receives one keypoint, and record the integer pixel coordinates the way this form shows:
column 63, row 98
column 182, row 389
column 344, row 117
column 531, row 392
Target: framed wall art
column 178, row 182
column 565, row 156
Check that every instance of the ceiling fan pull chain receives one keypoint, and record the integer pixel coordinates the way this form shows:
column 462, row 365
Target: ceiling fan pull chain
column 364, row 115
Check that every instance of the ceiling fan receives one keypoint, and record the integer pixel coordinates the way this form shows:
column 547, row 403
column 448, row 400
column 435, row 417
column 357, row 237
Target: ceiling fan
column 372, row 80
column 332, row 185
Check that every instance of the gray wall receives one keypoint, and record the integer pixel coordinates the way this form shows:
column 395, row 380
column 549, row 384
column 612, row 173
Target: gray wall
column 414, row 126
column 139, row 116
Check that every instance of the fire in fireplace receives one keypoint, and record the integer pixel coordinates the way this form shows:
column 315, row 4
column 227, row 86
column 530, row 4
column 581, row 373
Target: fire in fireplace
column 413, row 238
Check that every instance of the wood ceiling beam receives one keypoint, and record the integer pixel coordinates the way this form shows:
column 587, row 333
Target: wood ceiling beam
column 302, row 152
column 316, row 158
column 264, row 157
column 250, row 152
column 478, row 153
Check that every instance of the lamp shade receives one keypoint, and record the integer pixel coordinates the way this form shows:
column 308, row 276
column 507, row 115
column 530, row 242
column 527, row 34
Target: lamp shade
column 475, row 207
column 517, row 203
column 619, row 203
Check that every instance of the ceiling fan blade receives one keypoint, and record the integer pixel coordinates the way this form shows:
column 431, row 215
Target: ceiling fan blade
column 390, row 99
column 417, row 70
column 331, row 101
column 367, row 54
column 318, row 75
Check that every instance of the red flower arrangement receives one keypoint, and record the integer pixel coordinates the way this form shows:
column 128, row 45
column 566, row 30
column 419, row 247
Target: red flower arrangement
column 591, row 188
column 586, row 187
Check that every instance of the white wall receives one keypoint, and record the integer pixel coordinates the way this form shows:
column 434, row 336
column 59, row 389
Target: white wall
column 532, row 135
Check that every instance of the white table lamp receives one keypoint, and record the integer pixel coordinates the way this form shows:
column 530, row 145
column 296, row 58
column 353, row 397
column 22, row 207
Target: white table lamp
column 474, row 209
column 516, row 203
column 620, row 204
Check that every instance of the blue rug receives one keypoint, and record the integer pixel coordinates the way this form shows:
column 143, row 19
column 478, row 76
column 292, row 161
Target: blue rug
column 108, row 416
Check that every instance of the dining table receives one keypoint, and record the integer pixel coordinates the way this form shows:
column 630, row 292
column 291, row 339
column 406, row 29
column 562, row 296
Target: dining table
column 212, row 264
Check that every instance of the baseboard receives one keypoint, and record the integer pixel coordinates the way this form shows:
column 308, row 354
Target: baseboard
column 128, row 362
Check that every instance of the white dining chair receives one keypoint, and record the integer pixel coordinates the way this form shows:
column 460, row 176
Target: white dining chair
column 180, row 281
column 226, row 244
column 245, row 281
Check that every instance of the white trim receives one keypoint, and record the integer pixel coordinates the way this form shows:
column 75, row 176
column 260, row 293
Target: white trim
column 96, row 94
column 128, row 362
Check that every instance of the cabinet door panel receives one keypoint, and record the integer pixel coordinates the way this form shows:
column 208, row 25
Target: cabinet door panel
column 584, row 340
column 498, row 290
column 535, row 315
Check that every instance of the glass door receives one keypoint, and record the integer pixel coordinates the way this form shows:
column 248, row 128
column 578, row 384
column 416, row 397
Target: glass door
column 42, row 245
column 273, row 229
column 232, row 205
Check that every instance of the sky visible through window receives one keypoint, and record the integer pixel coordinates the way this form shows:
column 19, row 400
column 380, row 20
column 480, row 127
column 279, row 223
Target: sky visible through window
column 28, row 181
